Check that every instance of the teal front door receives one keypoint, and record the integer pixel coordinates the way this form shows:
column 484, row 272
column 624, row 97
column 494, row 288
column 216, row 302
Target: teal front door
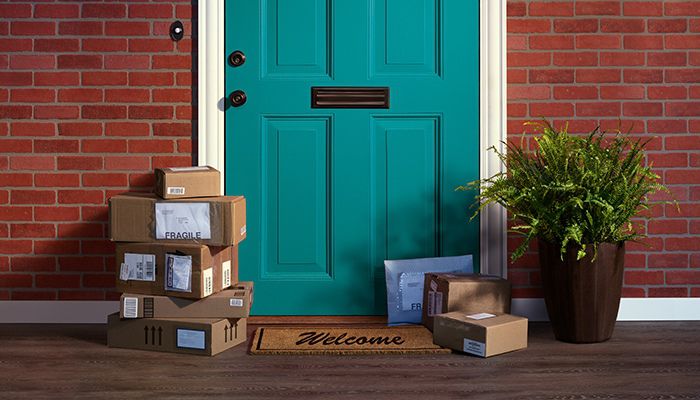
column 332, row 191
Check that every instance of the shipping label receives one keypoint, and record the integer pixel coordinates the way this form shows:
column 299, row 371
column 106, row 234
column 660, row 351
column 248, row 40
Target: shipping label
column 226, row 274
column 138, row 267
column 183, row 221
column 178, row 273
column 188, row 169
column 411, row 290
column 208, row 281
column 131, row 307
column 235, row 302
column 482, row 315
column 175, row 190
column 191, row 339
column 474, row 347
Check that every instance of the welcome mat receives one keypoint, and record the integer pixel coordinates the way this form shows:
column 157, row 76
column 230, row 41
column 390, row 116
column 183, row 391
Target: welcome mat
column 345, row 341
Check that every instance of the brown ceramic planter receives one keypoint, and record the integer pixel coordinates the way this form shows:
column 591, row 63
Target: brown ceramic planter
column 582, row 297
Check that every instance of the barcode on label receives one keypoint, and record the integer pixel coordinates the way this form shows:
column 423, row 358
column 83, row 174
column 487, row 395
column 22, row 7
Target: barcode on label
column 131, row 306
column 150, row 270
column 176, row 190
column 208, row 281
column 226, row 274
column 235, row 302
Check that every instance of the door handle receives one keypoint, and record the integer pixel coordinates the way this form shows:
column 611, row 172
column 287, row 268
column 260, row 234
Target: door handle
column 238, row 98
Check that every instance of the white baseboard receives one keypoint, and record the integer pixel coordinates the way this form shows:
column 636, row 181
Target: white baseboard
column 95, row 312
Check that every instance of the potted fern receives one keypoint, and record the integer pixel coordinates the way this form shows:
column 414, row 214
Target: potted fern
column 576, row 195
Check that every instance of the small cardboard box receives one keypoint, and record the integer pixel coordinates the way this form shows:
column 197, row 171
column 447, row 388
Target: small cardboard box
column 203, row 336
column 187, row 182
column 150, row 268
column 481, row 334
column 230, row 303
column 144, row 217
column 447, row 292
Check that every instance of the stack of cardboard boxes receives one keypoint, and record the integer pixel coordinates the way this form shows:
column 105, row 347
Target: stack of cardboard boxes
column 177, row 265
column 469, row 313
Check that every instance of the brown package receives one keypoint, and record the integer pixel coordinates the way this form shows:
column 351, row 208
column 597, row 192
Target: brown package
column 132, row 218
column 481, row 334
column 204, row 336
column 230, row 303
column 213, row 268
column 187, row 182
column 444, row 292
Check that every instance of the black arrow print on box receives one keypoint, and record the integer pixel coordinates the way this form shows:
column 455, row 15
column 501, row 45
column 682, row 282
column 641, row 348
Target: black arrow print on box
column 145, row 334
column 153, row 335
column 225, row 334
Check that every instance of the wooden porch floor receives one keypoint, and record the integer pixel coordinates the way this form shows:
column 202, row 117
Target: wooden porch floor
column 642, row 361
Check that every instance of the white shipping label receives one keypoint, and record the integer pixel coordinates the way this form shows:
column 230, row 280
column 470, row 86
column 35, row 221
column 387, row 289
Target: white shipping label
column 131, row 307
column 226, row 274
column 176, row 221
column 411, row 290
column 235, row 302
column 482, row 315
column 208, row 281
column 474, row 347
column 187, row 169
column 191, row 339
column 124, row 272
column 175, row 190
column 178, row 273
column 139, row 267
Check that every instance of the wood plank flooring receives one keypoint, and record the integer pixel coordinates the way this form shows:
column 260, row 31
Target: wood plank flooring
column 642, row 361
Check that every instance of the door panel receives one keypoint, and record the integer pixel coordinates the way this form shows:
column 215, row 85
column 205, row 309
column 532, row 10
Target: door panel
column 332, row 193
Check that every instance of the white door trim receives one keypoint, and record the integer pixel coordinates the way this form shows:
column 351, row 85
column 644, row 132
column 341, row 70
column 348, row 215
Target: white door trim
column 492, row 118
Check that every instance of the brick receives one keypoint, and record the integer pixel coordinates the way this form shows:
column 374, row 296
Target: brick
column 551, row 109
column 602, row 109
column 15, row 78
column 667, row 58
column 575, row 92
column 694, row 25
column 15, row 112
column 94, row 213
column 683, row 75
column 151, row 45
column 12, row 45
column 150, row 146
column 622, row 92
column 61, row 281
column 551, row 76
column 668, row 226
column 32, row 163
column 127, row 28
column 15, row 280
column 682, row 277
column 598, row 41
column 184, row 112
column 81, row 295
column 150, row 11
column 55, row 146
column 19, row 62
column 33, row 295
column 32, row 230
column 64, row 78
column 598, row 75
column 15, row 10
column 576, row 25
column 79, row 162
column 665, row 25
column 127, row 96
column 18, row 196
column 151, row 79
column 15, row 246
column 648, row 244
column 683, row 109
column 642, row 109
column 627, row 25
column 56, row 45
column 667, row 92
column 56, row 213
column 33, row 263
column 104, row 179
column 527, row 25
column 80, row 129
column 528, row 92
column 33, row 95
column 80, row 264
column 83, row 28
column 56, row 112
column 79, row 61
column 171, row 161
column 81, row 95
column 621, row 58
column 141, row 180
column 103, row 146
column 184, row 146
column 668, row 260
column 551, row 9
column 684, row 210
column 128, row 163
column 130, row 62
column 681, row 8
column 643, row 42
column 95, row 10
column 32, row 28
column 668, row 292
column 644, row 278
column 185, row 78
column 80, row 196
column 15, row 179
column 172, row 129
column 685, row 41
column 127, row 129
column 597, row 8
column 694, row 58
column 16, row 146
column 643, row 76
column 667, row 126
column 183, row 11
column 56, row 10
column 103, row 112
column 695, row 92
column 81, row 230
column 103, row 78
column 102, row 246
column 104, row 45
column 516, row 9
column 552, row 42
column 150, row 112
column 642, row 8
column 633, row 292
column 185, row 95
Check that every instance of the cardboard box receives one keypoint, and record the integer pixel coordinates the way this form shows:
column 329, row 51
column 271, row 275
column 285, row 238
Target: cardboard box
column 147, row 268
column 190, row 336
column 187, row 182
column 447, row 292
column 143, row 217
column 230, row 303
column 481, row 334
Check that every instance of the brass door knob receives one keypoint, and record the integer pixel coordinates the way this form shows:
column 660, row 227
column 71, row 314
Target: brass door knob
column 237, row 58
column 238, row 98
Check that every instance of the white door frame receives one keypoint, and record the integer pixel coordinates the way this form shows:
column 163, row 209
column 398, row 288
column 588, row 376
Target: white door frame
column 492, row 114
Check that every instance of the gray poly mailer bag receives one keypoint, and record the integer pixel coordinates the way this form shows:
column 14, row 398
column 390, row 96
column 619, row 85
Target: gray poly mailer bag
column 404, row 284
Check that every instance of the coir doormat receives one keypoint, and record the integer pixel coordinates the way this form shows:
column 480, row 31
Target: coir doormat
column 344, row 341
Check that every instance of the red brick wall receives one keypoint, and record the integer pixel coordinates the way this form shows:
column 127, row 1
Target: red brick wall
column 95, row 95
column 597, row 62
column 92, row 97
